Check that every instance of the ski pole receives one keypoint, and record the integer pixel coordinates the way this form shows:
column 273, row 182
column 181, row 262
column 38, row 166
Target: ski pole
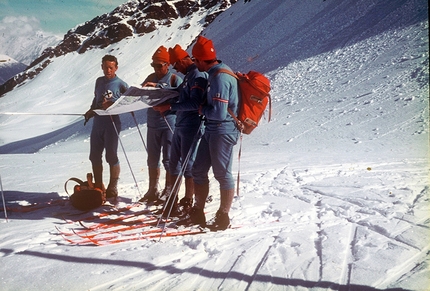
column 174, row 194
column 238, row 164
column 34, row 113
column 138, row 129
column 175, row 187
column 168, row 125
column 125, row 154
column 4, row 203
column 141, row 136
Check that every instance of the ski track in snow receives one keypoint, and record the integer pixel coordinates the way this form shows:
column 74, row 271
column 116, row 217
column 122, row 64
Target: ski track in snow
column 380, row 214
column 330, row 236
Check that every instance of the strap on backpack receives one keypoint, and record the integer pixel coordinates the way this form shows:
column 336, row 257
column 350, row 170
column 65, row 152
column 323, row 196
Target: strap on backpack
column 238, row 122
column 79, row 181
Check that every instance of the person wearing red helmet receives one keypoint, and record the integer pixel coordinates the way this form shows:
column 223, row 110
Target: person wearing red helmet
column 160, row 126
column 187, row 128
column 221, row 134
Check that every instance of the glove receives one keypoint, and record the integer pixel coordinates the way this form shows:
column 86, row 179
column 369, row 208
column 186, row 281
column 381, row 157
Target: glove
column 88, row 115
column 162, row 107
column 106, row 104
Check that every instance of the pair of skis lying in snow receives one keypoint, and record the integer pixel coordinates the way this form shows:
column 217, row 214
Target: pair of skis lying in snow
column 121, row 226
column 116, row 225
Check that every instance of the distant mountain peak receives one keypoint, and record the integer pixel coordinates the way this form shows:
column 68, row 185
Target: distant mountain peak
column 133, row 18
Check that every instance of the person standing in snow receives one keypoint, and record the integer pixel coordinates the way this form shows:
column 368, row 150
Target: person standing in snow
column 104, row 133
column 216, row 146
column 187, row 128
column 160, row 125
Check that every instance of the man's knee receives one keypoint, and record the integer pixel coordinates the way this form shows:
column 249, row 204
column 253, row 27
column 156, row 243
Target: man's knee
column 112, row 159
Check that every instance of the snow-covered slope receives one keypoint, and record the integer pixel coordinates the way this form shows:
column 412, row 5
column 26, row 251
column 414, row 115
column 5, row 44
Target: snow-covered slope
column 345, row 73
column 334, row 190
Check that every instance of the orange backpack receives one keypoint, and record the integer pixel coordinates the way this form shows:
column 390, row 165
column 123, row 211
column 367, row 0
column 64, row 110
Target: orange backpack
column 254, row 97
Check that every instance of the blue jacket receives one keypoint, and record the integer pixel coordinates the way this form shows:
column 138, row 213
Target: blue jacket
column 107, row 88
column 155, row 119
column 191, row 97
column 222, row 93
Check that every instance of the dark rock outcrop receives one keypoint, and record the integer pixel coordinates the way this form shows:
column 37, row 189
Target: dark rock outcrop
column 133, row 18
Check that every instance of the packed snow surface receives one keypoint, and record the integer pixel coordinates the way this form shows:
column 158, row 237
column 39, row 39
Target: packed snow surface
column 333, row 192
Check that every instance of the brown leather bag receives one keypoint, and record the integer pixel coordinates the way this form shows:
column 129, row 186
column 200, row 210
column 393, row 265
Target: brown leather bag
column 85, row 196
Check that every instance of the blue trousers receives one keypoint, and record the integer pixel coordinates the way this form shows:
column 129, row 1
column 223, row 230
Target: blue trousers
column 215, row 150
column 104, row 137
column 184, row 143
column 159, row 140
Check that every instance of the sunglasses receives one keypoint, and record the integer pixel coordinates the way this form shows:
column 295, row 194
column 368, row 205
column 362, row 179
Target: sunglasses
column 158, row 66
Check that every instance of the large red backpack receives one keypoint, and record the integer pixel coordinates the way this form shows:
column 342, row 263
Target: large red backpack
column 253, row 100
column 254, row 90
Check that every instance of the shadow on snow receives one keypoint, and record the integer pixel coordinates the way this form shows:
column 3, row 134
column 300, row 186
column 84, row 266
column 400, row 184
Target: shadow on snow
column 202, row 272
column 36, row 206
column 77, row 129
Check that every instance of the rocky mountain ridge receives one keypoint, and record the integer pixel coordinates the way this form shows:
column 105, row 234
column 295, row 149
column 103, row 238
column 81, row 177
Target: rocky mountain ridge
column 131, row 19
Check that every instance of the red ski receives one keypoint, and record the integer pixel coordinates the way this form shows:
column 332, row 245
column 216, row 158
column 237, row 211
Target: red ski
column 112, row 226
column 111, row 212
column 145, row 235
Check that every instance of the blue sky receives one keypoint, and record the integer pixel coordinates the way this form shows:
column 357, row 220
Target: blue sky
column 54, row 16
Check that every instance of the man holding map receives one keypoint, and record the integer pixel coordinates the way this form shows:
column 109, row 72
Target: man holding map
column 160, row 125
